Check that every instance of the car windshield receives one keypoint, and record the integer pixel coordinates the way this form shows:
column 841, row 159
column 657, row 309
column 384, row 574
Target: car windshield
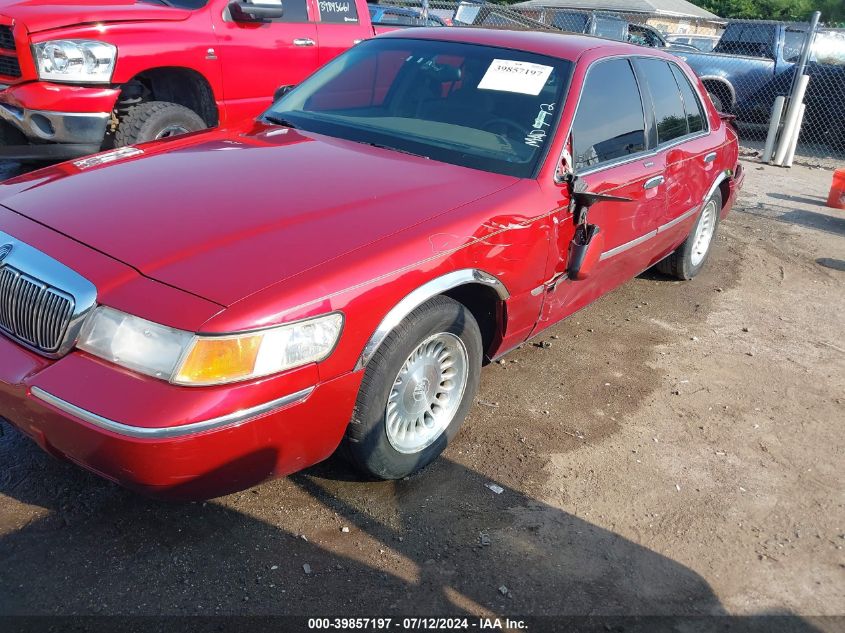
column 482, row 107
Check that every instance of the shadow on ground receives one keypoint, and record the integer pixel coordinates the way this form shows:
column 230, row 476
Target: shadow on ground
column 829, row 262
column 816, row 200
column 97, row 549
column 807, row 219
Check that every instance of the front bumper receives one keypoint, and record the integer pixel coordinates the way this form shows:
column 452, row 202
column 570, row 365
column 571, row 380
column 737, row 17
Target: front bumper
column 216, row 456
column 57, row 127
column 74, row 118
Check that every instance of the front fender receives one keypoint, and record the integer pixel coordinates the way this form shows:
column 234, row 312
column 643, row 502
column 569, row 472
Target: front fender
column 420, row 295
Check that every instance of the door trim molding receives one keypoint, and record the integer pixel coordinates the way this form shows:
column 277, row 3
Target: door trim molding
column 647, row 236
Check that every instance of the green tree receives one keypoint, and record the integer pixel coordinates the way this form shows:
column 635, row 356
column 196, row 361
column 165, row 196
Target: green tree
column 833, row 11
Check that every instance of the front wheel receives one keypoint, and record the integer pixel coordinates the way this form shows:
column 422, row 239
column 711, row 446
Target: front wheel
column 416, row 391
column 155, row 120
column 689, row 258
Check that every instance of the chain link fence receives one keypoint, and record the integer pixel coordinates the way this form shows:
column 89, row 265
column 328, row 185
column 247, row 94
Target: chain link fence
column 745, row 65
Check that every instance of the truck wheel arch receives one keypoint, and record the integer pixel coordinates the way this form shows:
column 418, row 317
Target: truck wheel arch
column 183, row 86
column 722, row 88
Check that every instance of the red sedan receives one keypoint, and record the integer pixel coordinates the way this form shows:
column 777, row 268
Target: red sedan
column 193, row 316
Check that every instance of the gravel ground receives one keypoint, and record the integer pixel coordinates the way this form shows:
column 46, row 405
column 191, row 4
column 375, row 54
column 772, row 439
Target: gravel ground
column 677, row 449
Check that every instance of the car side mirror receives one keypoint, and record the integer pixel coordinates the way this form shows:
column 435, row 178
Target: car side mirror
column 587, row 244
column 281, row 91
column 242, row 11
column 585, row 250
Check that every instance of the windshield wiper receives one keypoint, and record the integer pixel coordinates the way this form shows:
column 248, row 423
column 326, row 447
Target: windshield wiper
column 391, row 148
column 279, row 121
column 166, row 3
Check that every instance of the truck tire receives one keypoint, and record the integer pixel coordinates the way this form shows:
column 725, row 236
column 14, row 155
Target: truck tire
column 155, row 120
column 717, row 102
column 720, row 94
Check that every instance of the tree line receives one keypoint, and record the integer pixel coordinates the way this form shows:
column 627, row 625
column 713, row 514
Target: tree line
column 833, row 11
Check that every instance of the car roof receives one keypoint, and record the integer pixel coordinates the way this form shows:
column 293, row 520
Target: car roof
column 553, row 43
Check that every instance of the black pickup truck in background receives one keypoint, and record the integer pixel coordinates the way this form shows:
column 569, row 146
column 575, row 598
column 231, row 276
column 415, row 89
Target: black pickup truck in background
column 754, row 62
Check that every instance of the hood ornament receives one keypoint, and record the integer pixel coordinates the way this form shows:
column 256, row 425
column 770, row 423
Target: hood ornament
column 5, row 249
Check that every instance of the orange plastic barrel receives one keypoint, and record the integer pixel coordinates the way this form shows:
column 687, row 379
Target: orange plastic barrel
column 836, row 199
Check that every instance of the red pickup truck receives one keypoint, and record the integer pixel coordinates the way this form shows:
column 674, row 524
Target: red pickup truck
column 78, row 76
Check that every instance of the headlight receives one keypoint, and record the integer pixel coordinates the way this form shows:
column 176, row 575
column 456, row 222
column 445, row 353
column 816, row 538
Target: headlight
column 189, row 359
column 82, row 61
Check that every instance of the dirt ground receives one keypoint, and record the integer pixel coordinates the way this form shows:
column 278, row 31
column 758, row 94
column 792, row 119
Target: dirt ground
column 678, row 449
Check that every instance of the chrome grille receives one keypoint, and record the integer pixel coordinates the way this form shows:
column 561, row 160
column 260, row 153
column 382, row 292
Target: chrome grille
column 33, row 312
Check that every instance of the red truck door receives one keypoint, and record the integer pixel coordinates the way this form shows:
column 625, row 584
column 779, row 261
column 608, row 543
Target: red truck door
column 341, row 24
column 258, row 57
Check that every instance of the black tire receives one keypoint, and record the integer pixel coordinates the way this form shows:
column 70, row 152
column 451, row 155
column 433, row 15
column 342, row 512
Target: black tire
column 367, row 443
column 717, row 101
column 156, row 119
column 682, row 263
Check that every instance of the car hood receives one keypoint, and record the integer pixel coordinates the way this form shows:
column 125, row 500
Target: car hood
column 44, row 15
column 225, row 215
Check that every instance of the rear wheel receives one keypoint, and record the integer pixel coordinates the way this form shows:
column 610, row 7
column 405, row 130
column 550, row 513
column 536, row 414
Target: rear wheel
column 155, row 120
column 717, row 101
column 689, row 258
column 720, row 94
column 417, row 390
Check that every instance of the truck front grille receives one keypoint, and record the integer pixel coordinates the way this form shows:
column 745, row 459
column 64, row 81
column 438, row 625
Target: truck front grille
column 7, row 38
column 33, row 312
column 9, row 66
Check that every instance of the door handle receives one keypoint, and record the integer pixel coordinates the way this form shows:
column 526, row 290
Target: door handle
column 710, row 157
column 303, row 41
column 651, row 183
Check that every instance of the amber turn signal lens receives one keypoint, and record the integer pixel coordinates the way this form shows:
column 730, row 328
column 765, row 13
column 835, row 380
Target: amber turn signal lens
column 214, row 360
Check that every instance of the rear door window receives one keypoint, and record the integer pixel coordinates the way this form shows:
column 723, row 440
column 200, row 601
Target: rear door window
column 293, row 10
column 753, row 40
column 692, row 104
column 793, row 44
column 609, row 123
column 669, row 113
column 572, row 22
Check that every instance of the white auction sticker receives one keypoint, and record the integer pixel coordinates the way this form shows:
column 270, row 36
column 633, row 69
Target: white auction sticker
column 512, row 76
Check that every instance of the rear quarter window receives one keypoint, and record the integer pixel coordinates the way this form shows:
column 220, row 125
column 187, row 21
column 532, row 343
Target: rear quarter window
column 669, row 112
column 692, row 104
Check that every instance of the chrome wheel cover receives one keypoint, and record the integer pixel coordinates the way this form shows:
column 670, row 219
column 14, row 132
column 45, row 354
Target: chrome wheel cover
column 703, row 233
column 172, row 130
column 427, row 392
